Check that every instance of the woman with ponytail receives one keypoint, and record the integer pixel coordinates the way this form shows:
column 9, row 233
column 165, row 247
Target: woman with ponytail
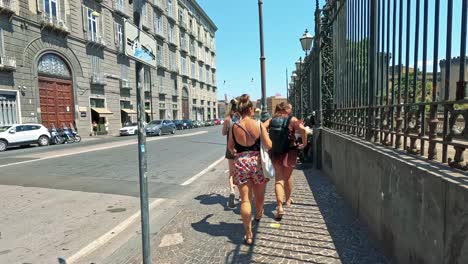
column 245, row 139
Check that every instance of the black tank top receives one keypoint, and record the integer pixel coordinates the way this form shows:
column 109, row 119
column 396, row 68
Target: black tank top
column 239, row 148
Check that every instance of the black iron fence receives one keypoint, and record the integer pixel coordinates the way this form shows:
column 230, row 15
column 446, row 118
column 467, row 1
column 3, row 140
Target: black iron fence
column 390, row 71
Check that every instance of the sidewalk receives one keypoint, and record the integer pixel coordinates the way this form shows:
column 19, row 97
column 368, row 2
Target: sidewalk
column 319, row 228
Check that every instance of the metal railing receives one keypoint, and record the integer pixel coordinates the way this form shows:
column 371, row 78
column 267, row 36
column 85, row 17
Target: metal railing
column 95, row 38
column 388, row 71
column 8, row 5
column 54, row 22
column 119, row 7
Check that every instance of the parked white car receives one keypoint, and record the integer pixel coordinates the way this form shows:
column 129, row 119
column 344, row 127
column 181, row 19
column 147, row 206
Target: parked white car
column 23, row 134
column 129, row 129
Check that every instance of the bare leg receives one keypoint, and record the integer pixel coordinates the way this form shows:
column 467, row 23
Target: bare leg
column 259, row 199
column 288, row 184
column 231, row 175
column 246, row 210
column 279, row 187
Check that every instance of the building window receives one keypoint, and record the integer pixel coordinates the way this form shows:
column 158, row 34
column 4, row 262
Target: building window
column 119, row 34
column 207, row 76
column 171, row 33
column 172, row 60
column 147, row 79
column 157, row 23
column 92, row 24
column 169, row 7
column 125, row 104
column 181, row 16
column 200, row 50
column 184, row 66
column 183, row 42
column 159, row 55
column 201, row 74
column 51, row 8
column 194, row 101
column 2, row 43
column 193, row 70
column 52, row 65
column 97, row 103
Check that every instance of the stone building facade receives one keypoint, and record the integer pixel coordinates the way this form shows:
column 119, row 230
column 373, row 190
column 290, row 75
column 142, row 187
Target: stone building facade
column 63, row 62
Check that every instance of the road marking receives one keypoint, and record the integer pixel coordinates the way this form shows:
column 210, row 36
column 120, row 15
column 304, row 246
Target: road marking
column 101, row 241
column 201, row 173
column 97, row 148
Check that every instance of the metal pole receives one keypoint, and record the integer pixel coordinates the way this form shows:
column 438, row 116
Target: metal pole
column 301, row 95
column 372, row 66
column 265, row 114
column 142, row 163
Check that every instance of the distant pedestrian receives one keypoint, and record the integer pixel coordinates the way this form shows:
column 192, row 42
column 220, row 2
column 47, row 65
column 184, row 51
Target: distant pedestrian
column 95, row 128
column 231, row 118
column 245, row 139
column 282, row 129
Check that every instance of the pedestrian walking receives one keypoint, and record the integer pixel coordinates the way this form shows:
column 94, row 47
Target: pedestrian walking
column 245, row 139
column 229, row 121
column 95, row 128
column 282, row 129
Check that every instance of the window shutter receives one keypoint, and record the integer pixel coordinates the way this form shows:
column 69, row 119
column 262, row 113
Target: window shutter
column 2, row 46
column 116, row 33
column 62, row 10
column 85, row 18
column 40, row 6
column 101, row 25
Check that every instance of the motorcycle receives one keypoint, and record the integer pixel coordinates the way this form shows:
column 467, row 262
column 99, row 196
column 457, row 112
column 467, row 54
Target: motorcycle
column 70, row 135
column 56, row 137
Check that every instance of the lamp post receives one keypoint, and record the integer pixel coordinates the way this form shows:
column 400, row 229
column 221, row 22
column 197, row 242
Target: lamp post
column 294, row 87
column 301, row 97
column 265, row 114
column 306, row 41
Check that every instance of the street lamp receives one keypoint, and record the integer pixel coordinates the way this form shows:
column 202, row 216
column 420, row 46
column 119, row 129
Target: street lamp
column 265, row 115
column 306, row 41
column 299, row 78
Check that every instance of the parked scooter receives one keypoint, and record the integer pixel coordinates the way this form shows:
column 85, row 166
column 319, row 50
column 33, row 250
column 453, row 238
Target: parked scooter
column 70, row 135
column 56, row 137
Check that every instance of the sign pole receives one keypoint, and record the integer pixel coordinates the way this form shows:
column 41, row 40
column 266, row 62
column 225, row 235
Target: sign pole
column 142, row 159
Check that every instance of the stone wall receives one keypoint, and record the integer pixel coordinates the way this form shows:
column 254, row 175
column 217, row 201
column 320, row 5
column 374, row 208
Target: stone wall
column 417, row 210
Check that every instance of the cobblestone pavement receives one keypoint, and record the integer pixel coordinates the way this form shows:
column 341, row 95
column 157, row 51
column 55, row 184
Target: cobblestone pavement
column 318, row 228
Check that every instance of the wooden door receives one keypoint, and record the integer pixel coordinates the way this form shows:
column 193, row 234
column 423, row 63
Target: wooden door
column 56, row 100
column 185, row 109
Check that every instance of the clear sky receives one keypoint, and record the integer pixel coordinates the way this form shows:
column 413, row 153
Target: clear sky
column 238, row 48
column 238, row 44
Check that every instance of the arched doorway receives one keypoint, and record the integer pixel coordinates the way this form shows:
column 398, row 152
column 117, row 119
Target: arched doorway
column 55, row 91
column 185, row 103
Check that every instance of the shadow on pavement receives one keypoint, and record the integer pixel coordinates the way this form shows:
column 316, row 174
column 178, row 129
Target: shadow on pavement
column 350, row 237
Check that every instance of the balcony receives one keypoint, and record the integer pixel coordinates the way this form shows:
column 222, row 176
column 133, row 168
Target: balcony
column 95, row 39
column 98, row 79
column 183, row 24
column 125, row 84
column 119, row 8
column 158, row 4
column 8, row 6
column 54, row 23
column 158, row 32
column 7, row 63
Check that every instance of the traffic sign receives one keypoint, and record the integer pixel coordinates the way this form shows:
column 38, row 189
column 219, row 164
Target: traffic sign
column 139, row 45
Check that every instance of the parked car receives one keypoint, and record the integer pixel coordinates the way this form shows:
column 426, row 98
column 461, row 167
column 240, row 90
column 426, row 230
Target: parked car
column 129, row 129
column 188, row 124
column 209, row 123
column 197, row 124
column 23, row 134
column 217, row 122
column 159, row 127
column 179, row 125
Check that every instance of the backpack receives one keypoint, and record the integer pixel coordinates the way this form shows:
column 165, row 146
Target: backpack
column 279, row 134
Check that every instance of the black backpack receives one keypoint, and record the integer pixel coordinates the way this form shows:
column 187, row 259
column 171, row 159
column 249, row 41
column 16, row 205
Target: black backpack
column 279, row 134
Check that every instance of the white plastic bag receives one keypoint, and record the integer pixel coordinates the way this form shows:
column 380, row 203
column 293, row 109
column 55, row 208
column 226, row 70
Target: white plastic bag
column 267, row 164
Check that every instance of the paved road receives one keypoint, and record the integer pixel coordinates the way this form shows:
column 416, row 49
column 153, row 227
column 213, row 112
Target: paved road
column 80, row 202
